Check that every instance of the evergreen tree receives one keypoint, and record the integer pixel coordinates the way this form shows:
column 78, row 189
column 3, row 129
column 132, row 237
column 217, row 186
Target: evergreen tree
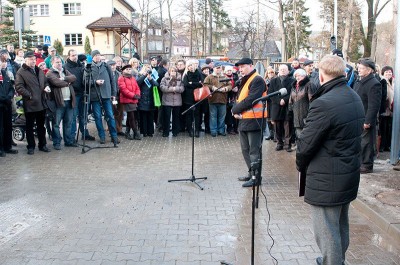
column 88, row 48
column 297, row 25
column 7, row 33
column 58, row 46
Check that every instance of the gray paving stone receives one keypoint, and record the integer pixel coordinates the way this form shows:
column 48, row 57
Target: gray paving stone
column 97, row 208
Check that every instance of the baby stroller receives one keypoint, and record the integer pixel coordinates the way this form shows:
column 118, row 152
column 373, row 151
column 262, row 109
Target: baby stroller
column 19, row 121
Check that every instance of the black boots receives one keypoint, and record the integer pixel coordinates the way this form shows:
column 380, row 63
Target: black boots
column 136, row 135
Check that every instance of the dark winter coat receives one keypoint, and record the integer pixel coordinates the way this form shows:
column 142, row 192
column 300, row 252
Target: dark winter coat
column 299, row 101
column 172, row 89
column 76, row 68
column 129, row 90
column 30, row 85
column 146, row 101
column 278, row 112
column 328, row 148
column 56, row 85
column 191, row 81
column 370, row 91
column 256, row 88
column 6, row 90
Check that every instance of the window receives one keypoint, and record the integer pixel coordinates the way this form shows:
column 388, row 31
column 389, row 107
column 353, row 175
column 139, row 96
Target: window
column 155, row 45
column 39, row 10
column 37, row 40
column 73, row 39
column 72, row 9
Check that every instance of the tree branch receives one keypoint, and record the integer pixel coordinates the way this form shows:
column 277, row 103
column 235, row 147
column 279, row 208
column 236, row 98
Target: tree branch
column 383, row 6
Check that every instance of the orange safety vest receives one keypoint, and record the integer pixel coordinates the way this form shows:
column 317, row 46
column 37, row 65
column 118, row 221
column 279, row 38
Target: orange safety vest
column 256, row 111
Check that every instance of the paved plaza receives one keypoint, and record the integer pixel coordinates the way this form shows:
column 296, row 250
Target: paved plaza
column 115, row 206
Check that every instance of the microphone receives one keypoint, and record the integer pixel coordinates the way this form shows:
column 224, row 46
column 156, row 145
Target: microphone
column 281, row 92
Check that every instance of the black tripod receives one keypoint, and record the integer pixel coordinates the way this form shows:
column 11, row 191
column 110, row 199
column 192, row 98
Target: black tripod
column 88, row 81
column 192, row 108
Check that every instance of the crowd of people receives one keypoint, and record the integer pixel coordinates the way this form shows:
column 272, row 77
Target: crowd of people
column 339, row 118
column 153, row 96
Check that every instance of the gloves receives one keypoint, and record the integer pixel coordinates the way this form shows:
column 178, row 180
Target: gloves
column 136, row 97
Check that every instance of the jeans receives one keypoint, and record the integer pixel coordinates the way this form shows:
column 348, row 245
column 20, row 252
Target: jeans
column 109, row 117
column 65, row 115
column 79, row 112
column 217, row 118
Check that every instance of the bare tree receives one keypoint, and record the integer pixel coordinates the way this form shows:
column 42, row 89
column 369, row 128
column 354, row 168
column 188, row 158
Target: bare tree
column 283, row 29
column 347, row 31
column 169, row 3
column 145, row 11
column 373, row 12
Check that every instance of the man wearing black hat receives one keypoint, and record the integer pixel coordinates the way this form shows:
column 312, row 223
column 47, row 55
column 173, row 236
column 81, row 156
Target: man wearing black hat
column 312, row 74
column 31, row 83
column 251, row 87
column 370, row 91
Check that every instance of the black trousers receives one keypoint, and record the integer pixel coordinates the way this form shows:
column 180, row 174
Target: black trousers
column 146, row 122
column 38, row 117
column 368, row 145
column 131, row 121
column 166, row 112
column 250, row 144
column 283, row 133
column 385, row 129
column 189, row 118
column 5, row 127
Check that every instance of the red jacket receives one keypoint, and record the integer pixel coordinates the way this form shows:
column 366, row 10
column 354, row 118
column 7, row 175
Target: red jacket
column 128, row 88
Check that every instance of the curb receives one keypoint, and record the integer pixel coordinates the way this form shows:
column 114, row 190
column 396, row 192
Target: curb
column 390, row 228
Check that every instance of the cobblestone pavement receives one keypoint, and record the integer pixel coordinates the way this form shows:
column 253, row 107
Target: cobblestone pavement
column 115, row 206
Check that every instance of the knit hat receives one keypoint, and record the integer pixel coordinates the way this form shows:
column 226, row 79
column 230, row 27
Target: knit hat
column 94, row 53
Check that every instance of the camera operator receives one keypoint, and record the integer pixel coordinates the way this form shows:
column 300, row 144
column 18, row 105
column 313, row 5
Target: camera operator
column 102, row 90
column 75, row 67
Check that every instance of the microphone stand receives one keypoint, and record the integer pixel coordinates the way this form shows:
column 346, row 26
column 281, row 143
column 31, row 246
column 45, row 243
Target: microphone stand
column 255, row 170
column 192, row 108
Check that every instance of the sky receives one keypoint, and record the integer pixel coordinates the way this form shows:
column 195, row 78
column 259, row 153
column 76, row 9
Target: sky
column 235, row 8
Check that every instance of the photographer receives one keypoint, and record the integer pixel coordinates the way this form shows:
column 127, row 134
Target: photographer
column 102, row 91
column 146, row 102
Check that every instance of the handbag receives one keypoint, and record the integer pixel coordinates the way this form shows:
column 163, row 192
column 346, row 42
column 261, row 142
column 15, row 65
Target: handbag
column 156, row 96
column 201, row 93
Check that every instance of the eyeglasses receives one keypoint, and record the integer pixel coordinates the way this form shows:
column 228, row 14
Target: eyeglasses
column 271, row 72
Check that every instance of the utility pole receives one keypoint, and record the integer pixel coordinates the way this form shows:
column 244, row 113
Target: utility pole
column 394, row 154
